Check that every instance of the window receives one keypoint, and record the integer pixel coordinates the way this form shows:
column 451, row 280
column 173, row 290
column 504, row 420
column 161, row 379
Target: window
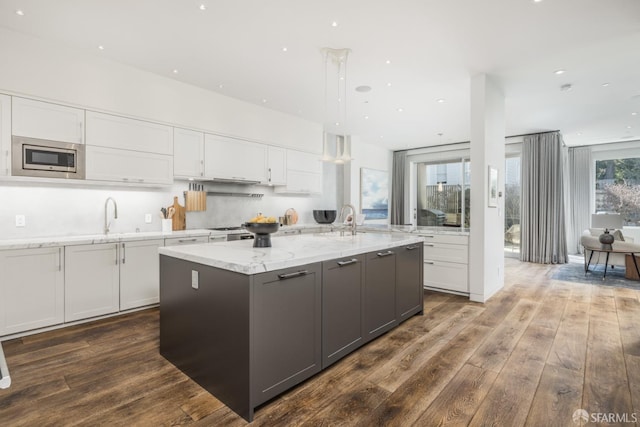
column 618, row 188
column 443, row 194
column 512, row 194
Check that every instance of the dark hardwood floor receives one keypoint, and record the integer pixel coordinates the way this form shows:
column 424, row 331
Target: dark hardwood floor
column 535, row 353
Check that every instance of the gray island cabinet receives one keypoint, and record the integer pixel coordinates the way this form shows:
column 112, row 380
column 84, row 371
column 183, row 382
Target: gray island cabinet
column 249, row 323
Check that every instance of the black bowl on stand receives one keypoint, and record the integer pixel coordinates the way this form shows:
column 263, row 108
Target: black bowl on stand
column 263, row 231
column 324, row 216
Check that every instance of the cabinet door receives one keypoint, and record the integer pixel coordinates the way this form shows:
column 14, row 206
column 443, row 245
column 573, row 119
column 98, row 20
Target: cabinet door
column 380, row 293
column 188, row 153
column 277, row 166
column 234, row 159
column 409, row 293
column 306, row 162
column 44, row 120
column 286, row 329
column 105, row 130
column 302, row 182
column 342, row 307
column 31, row 289
column 5, row 135
column 446, row 276
column 109, row 164
column 91, row 281
column 139, row 273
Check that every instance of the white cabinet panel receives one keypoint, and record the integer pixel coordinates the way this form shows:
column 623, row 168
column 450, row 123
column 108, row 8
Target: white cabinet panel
column 139, row 273
column 301, row 182
column 5, row 135
column 277, row 166
column 91, row 281
column 105, row 130
column 306, row 162
column 188, row 153
column 446, row 276
column 109, row 164
column 234, row 159
column 435, row 251
column 31, row 289
column 37, row 119
column 445, row 238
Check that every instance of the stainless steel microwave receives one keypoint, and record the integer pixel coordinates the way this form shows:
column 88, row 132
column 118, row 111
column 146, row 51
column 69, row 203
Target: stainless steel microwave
column 45, row 158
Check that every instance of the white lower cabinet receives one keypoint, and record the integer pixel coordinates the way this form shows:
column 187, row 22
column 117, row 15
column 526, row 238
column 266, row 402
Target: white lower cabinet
column 446, row 262
column 139, row 273
column 91, row 281
column 31, row 289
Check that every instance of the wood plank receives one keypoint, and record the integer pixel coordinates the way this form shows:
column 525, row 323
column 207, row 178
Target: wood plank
column 628, row 311
column 404, row 364
column 552, row 306
column 459, row 400
column 495, row 351
column 633, row 375
column 558, row 396
column 606, row 387
column 407, row 403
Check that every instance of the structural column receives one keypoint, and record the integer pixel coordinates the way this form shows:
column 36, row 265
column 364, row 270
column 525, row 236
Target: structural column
column 486, row 241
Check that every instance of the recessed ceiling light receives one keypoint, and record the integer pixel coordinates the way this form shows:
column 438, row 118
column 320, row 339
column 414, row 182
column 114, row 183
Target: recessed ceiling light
column 337, row 123
column 558, row 72
column 628, row 127
column 175, row 71
column 366, row 117
column 388, row 61
column 634, row 114
column 605, row 84
column 203, row 7
column 579, row 133
column 264, row 101
column 19, row 12
column 284, row 49
column 388, row 84
column 220, row 86
column 363, row 88
column 400, row 110
column 381, row 136
column 440, row 100
column 566, row 87
column 537, row 1
column 101, row 47
column 334, row 24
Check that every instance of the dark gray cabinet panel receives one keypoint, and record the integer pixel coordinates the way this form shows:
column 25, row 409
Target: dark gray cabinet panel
column 342, row 307
column 286, row 329
column 380, row 293
column 409, row 293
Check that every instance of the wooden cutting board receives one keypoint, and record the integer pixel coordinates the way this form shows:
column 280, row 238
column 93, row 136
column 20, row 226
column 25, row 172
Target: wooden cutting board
column 294, row 215
column 179, row 220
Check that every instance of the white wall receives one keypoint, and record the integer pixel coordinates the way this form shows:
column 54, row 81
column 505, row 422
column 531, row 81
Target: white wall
column 365, row 156
column 39, row 68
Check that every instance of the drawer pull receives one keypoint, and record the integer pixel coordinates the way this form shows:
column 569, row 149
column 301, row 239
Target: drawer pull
column 429, row 244
column 381, row 254
column 294, row 274
column 343, row 263
column 187, row 240
column 429, row 262
column 410, row 248
column 427, row 235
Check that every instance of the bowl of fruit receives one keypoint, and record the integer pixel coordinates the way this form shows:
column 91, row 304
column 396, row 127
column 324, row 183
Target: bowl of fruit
column 262, row 227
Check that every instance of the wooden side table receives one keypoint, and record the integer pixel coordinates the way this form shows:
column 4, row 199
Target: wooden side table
column 631, row 271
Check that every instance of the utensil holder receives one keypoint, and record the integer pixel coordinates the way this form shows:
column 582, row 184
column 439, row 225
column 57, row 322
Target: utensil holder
column 167, row 225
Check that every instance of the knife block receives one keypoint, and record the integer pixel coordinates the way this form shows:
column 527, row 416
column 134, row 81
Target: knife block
column 195, row 201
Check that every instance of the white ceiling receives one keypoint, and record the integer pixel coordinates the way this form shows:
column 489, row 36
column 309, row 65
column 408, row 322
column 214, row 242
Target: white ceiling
column 235, row 47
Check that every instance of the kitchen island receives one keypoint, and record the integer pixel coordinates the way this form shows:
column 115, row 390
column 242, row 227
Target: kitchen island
column 249, row 323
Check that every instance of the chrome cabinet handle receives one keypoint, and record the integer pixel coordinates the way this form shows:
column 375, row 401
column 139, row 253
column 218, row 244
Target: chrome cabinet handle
column 426, row 235
column 343, row 263
column 429, row 262
column 381, row 254
column 187, row 240
column 294, row 274
column 410, row 248
column 59, row 259
column 269, row 174
column 429, row 244
column 123, row 254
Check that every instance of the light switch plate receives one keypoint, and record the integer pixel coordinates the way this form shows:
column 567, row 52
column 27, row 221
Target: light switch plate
column 147, row 218
column 194, row 279
column 20, row 221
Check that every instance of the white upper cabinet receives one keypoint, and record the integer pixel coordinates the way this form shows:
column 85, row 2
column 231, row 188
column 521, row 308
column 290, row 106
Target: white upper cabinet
column 110, row 131
column 306, row 162
column 43, row 120
column 234, row 159
column 276, row 166
column 5, row 135
column 188, row 153
column 110, row 164
column 304, row 173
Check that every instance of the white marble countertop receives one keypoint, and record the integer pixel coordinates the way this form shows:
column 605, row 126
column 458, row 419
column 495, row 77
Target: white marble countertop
column 240, row 256
column 88, row 239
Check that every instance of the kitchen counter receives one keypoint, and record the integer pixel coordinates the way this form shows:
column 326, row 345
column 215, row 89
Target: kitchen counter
column 84, row 239
column 242, row 257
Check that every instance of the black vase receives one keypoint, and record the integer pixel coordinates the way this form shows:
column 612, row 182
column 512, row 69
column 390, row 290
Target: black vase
column 606, row 239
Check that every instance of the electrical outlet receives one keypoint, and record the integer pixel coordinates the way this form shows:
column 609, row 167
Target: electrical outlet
column 20, row 221
column 194, row 279
column 147, row 218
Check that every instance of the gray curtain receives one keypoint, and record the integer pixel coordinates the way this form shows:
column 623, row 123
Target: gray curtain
column 580, row 174
column 398, row 187
column 544, row 238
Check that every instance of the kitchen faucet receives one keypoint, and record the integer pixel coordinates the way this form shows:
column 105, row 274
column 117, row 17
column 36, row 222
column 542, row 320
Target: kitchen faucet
column 353, row 217
column 115, row 213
